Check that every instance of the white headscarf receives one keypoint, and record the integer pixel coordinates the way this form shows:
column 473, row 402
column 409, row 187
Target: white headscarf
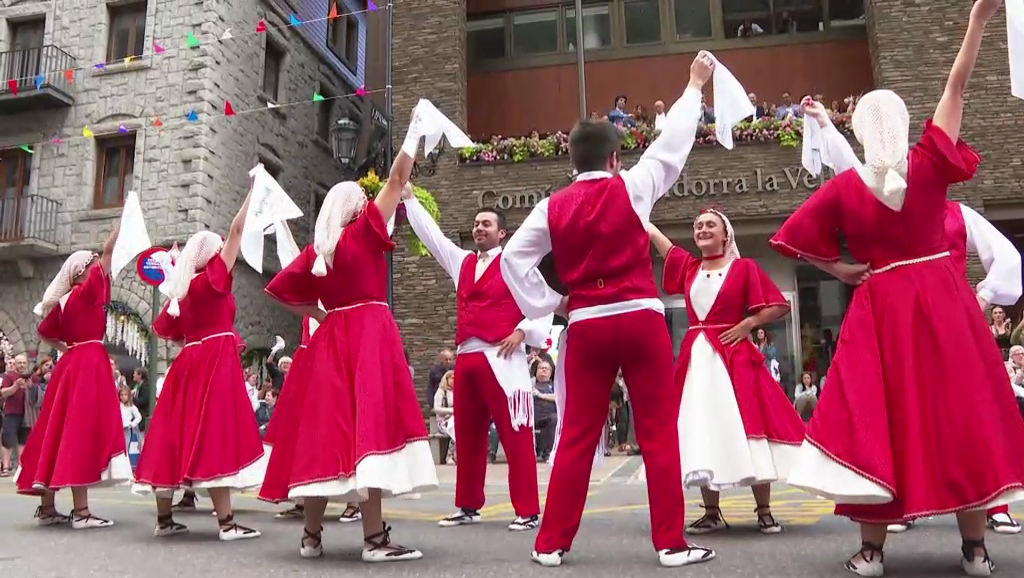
column 198, row 251
column 732, row 251
column 62, row 284
column 881, row 124
column 344, row 202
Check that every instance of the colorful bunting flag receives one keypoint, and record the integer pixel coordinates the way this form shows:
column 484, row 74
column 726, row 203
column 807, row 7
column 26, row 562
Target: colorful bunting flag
column 100, row 66
column 13, row 86
column 317, row 97
column 128, row 59
column 293, row 20
column 271, row 105
column 39, row 81
column 227, row 35
column 361, row 91
column 26, row 149
column 193, row 116
column 157, row 123
column 87, row 132
column 193, row 42
column 69, row 75
column 122, row 129
column 56, row 140
column 371, row 6
column 157, row 48
column 261, row 26
column 228, row 109
column 334, row 12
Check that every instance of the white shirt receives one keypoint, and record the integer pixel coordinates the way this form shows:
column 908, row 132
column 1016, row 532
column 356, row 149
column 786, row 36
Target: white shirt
column 650, row 179
column 805, row 391
column 451, row 257
column 659, row 121
column 130, row 416
column 1002, row 261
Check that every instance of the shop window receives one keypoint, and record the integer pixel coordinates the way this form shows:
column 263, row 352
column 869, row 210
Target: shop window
column 597, row 27
column 115, row 171
column 485, row 38
column 535, row 33
column 643, row 21
column 127, row 35
column 692, row 19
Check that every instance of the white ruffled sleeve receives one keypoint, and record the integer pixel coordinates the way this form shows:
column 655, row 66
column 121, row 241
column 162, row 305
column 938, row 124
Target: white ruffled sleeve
column 1002, row 262
column 537, row 331
column 519, row 265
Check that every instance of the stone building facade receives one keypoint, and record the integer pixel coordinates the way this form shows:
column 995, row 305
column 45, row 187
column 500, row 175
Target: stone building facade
column 911, row 47
column 189, row 175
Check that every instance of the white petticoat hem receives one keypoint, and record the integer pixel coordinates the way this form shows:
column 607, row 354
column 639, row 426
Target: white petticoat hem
column 771, row 463
column 816, row 473
column 117, row 473
column 406, row 471
column 250, row 478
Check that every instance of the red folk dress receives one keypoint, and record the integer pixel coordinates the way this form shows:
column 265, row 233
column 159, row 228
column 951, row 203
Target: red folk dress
column 354, row 423
column 309, row 325
column 736, row 425
column 77, row 439
column 917, row 418
column 203, row 433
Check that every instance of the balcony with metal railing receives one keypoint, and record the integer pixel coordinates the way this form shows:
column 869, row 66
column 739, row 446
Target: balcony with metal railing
column 28, row 227
column 36, row 78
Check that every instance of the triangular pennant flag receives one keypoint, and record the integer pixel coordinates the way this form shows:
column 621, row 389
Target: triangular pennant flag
column 100, row 66
column 271, row 105
column 128, row 59
column 317, row 97
column 56, row 140
column 192, row 41
column 26, row 149
column 361, row 91
column 228, row 109
column 371, row 6
column 261, row 26
column 13, row 86
column 69, row 75
column 39, row 81
column 293, row 20
column 157, row 48
column 227, row 35
column 193, row 116
column 122, row 129
column 334, row 11
column 87, row 132
column 157, row 122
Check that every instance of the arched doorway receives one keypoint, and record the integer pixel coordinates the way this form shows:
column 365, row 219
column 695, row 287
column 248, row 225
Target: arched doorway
column 127, row 338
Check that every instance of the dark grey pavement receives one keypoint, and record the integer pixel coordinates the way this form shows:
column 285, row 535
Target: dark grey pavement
column 613, row 541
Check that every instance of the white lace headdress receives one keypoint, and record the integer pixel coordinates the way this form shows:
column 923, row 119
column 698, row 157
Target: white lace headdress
column 344, row 202
column 198, row 251
column 61, row 285
column 881, row 124
column 732, row 251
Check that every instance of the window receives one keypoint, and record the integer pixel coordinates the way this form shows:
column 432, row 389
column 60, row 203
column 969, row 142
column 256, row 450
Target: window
column 15, row 174
column 485, row 38
column 597, row 27
column 343, row 38
column 127, row 31
column 273, row 63
column 692, row 19
column 114, row 171
column 792, row 16
column 325, row 114
column 643, row 21
column 535, row 33
column 846, row 12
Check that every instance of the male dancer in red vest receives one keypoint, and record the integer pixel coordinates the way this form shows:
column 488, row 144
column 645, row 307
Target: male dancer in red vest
column 492, row 374
column 596, row 229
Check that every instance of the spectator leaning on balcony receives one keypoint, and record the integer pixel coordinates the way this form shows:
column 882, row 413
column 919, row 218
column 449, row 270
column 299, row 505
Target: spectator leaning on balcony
column 618, row 114
column 659, row 115
column 759, row 109
column 749, row 29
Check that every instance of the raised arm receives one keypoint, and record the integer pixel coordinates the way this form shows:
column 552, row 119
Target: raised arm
column 659, row 167
column 401, row 170
column 447, row 254
column 107, row 255
column 233, row 242
column 519, row 261
column 949, row 113
column 661, row 243
column 1002, row 262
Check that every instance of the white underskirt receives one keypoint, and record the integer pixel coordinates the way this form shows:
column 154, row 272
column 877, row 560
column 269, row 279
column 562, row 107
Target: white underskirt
column 406, row 471
column 816, row 473
column 118, row 472
column 714, row 449
column 250, row 478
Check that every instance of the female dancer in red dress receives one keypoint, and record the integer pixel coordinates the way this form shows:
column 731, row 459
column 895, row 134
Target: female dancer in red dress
column 736, row 425
column 354, row 431
column 204, row 434
column 77, row 441
column 917, row 395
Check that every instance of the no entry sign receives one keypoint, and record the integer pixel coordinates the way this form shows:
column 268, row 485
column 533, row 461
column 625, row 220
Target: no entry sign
column 149, row 269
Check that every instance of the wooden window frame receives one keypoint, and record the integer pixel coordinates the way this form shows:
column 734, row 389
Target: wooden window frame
column 668, row 45
column 506, row 35
column 23, row 164
column 132, row 10
column 273, row 51
column 615, row 28
column 122, row 144
column 340, row 47
column 662, row 13
column 510, row 32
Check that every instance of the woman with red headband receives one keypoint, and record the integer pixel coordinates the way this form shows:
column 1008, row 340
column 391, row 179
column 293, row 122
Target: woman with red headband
column 736, row 426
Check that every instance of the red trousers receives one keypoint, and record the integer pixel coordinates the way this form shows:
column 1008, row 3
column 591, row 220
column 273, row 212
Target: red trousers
column 999, row 510
column 479, row 399
column 637, row 342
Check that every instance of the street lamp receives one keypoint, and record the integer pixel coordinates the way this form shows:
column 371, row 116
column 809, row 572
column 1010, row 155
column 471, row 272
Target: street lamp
column 344, row 141
column 432, row 160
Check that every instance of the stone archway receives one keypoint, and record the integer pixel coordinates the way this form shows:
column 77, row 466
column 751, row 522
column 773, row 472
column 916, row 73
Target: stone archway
column 13, row 334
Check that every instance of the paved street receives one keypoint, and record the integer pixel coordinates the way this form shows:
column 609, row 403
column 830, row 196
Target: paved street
column 613, row 540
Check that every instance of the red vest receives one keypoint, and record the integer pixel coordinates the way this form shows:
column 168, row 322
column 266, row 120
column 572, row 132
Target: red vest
column 601, row 248
column 487, row 310
column 956, row 235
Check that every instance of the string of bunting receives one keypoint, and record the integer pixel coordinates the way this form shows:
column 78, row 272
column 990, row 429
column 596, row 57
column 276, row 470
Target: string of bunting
column 192, row 117
column 191, row 41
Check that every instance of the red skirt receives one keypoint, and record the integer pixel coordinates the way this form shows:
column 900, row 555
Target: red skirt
column 78, row 439
column 204, row 432
column 916, row 417
column 289, row 383
column 350, row 420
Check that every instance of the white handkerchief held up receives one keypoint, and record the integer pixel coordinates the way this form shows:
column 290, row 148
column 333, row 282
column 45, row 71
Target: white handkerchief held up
column 432, row 124
column 1015, row 42
column 731, row 103
column 813, row 144
column 132, row 238
column 166, row 261
column 278, row 344
column 269, row 204
column 287, row 249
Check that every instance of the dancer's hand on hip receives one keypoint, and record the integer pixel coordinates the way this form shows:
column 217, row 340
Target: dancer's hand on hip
column 511, row 343
column 737, row 332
